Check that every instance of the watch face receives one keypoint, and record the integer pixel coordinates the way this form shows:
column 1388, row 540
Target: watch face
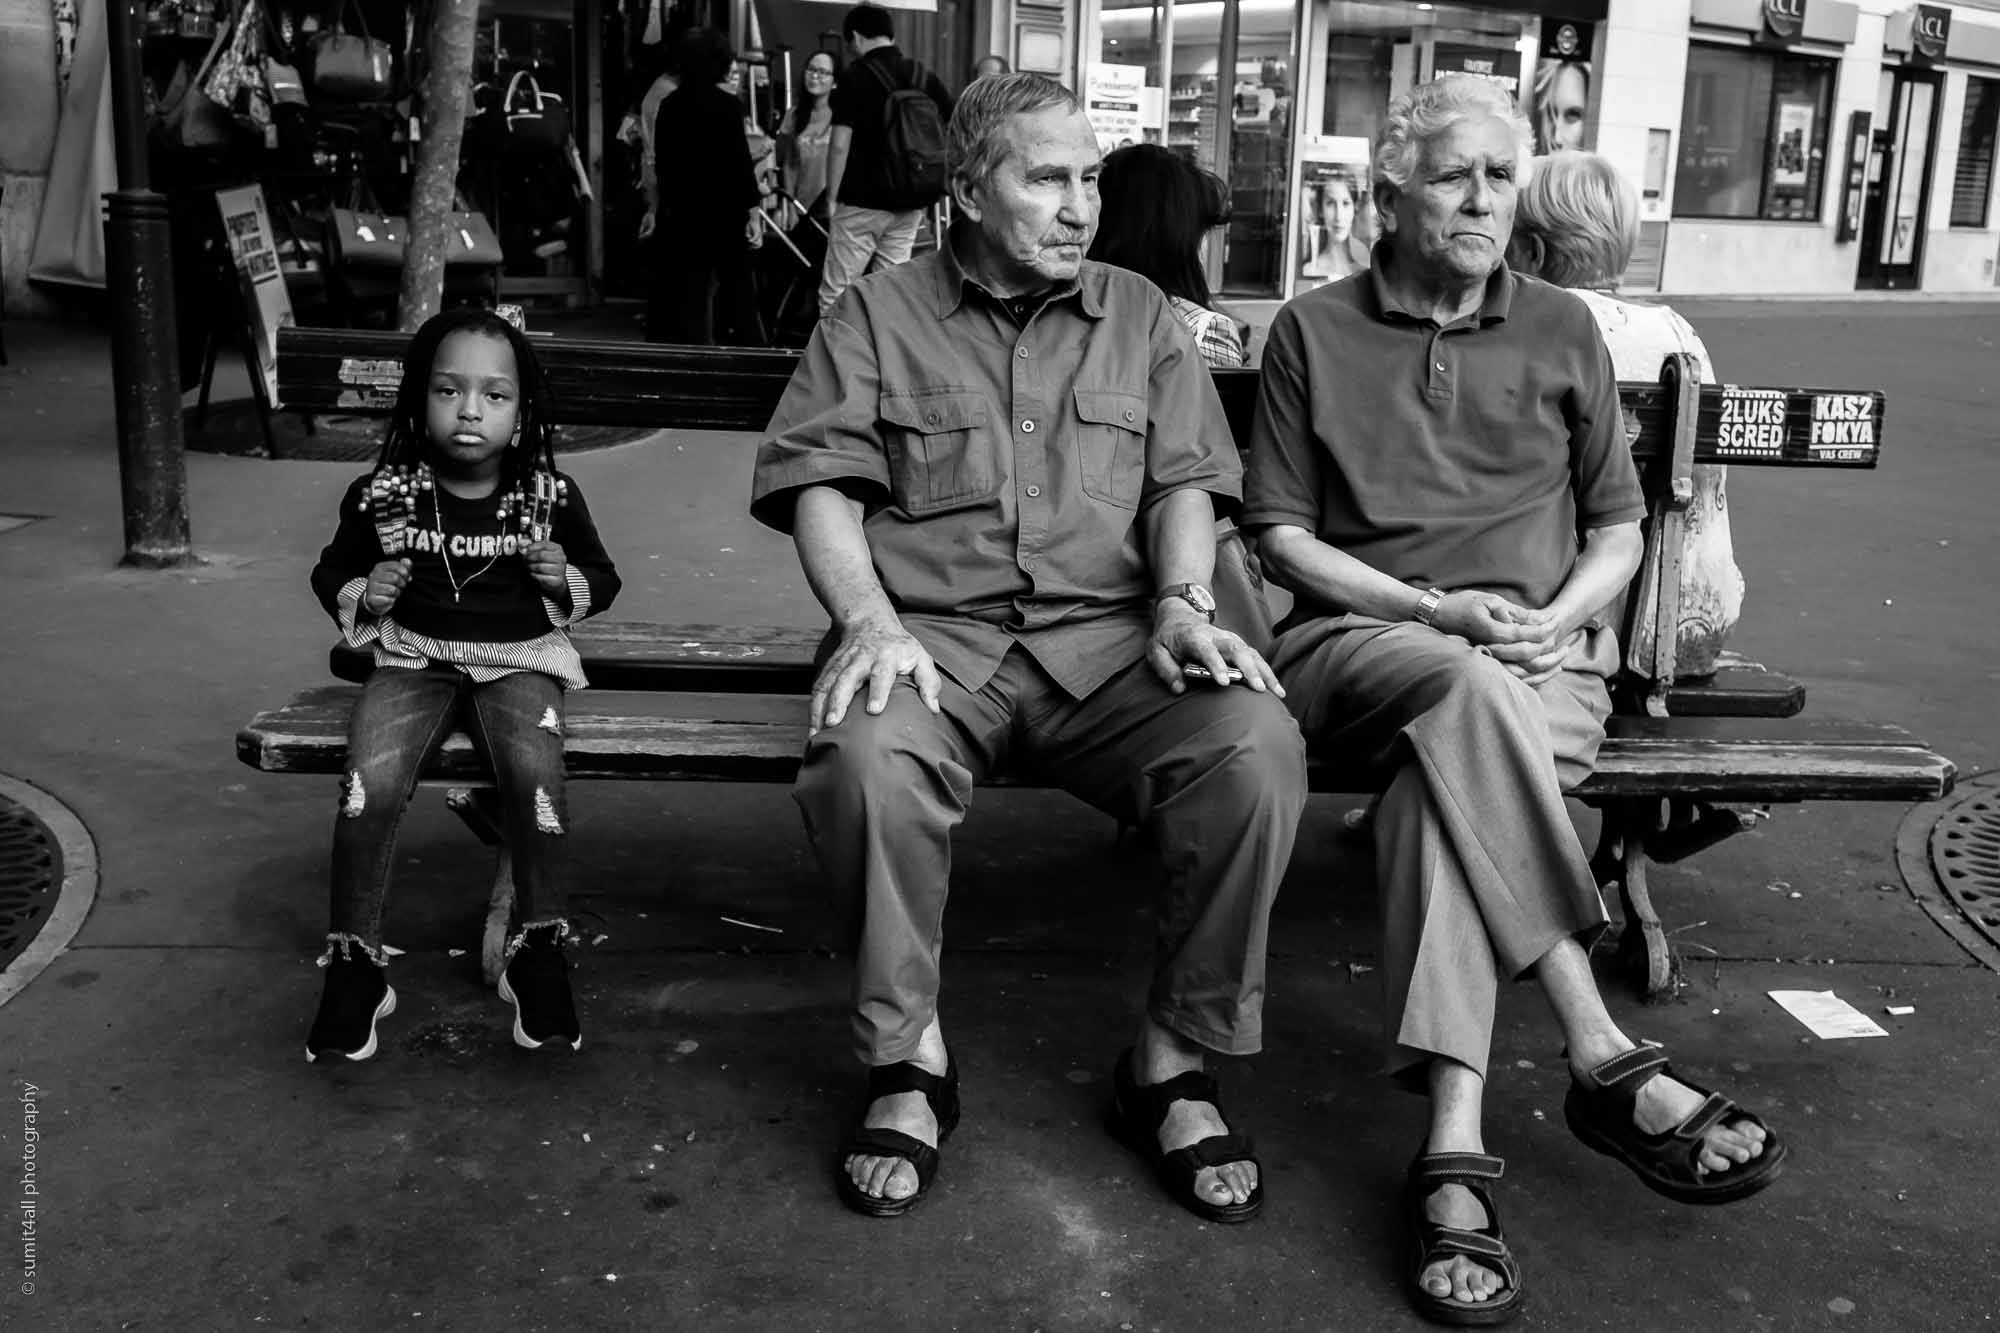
column 1201, row 599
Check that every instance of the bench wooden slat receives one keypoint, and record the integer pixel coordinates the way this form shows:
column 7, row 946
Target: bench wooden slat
column 778, row 659
column 736, row 389
column 759, row 738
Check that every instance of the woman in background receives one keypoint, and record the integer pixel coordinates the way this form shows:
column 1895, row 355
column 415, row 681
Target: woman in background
column 1157, row 208
column 1575, row 224
column 806, row 131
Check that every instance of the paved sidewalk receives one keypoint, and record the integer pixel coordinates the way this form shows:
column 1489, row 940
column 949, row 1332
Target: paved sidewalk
column 195, row 1173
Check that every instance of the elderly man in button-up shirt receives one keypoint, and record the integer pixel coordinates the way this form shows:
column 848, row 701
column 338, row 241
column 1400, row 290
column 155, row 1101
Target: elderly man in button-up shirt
column 1002, row 467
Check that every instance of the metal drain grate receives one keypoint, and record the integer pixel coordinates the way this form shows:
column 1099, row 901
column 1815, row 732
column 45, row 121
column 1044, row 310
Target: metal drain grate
column 31, row 869
column 1965, row 856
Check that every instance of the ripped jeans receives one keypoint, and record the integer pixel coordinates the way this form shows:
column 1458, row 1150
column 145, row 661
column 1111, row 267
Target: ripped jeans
column 402, row 718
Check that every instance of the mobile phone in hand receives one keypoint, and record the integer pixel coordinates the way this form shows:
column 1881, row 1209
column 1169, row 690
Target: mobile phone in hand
column 1196, row 671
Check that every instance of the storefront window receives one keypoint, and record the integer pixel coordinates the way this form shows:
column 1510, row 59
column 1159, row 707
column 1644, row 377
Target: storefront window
column 1211, row 79
column 1972, row 182
column 1374, row 52
column 1753, row 135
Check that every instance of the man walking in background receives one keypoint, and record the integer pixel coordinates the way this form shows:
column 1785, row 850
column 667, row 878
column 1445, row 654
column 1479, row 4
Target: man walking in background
column 885, row 160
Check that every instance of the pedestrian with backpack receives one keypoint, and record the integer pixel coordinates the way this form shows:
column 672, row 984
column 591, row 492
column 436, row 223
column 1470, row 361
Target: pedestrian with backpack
column 886, row 160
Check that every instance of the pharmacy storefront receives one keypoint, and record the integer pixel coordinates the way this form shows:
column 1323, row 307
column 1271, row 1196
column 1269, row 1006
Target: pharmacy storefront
column 1281, row 98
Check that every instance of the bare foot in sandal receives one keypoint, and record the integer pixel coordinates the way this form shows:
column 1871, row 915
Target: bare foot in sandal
column 1460, row 1278
column 1663, row 1102
column 889, row 1177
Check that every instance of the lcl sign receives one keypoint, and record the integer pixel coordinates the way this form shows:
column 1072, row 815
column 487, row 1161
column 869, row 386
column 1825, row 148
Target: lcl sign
column 1784, row 19
column 1930, row 32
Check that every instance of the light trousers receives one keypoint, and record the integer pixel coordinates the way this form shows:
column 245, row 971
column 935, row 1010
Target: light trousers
column 1478, row 864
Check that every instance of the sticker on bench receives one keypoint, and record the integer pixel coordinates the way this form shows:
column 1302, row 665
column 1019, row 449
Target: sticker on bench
column 384, row 372
column 1752, row 424
column 1842, row 427
column 362, row 400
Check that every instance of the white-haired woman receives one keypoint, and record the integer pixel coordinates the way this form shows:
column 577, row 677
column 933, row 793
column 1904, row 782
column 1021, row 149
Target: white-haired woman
column 1576, row 224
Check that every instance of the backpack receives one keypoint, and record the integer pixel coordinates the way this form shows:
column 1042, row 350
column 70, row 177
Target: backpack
column 913, row 170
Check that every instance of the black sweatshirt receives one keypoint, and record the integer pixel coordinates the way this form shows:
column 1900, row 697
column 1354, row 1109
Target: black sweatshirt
column 502, row 604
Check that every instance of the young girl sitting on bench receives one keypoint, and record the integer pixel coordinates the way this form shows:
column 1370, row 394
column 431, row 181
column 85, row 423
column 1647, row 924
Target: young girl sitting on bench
column 461, row 560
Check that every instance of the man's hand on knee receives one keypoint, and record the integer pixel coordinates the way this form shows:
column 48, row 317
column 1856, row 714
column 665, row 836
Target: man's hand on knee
column 874, row 655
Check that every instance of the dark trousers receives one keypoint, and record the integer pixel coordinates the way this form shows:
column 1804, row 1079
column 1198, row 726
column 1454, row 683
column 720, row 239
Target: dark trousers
column 401, row 720
column 703, row 294
column 1215, row 777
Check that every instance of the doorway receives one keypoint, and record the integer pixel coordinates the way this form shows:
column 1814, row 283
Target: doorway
column 1898, row 182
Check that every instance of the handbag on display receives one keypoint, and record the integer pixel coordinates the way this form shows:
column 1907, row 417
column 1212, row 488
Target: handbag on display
column 352, row 65
column 193, row 119
column 526, row 119
column 364, row 239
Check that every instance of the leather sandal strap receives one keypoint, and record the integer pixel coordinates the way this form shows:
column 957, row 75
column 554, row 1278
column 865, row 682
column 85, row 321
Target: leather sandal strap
column 1715, row 1109
column 903, row 1076
column 1628, row 1070
column 1196, row 1085
column 867, row 1142
column 1455, row 1240
column 1456, row 1168
column 1215, row 1150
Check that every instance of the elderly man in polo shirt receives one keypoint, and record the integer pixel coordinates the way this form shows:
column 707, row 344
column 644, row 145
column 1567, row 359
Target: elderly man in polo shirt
column 1440, row 475
column 1002, row 467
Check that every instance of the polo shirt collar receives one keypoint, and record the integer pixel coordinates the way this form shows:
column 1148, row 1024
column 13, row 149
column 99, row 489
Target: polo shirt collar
column 1494, row 306
column 952, row 281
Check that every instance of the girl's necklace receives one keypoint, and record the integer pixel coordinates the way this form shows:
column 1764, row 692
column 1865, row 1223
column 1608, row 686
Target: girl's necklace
column 444, row 548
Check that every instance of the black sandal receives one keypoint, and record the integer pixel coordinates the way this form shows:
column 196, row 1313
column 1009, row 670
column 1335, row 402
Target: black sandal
column 885, row 1081
column 1135, row 1118
column 1431, row 1241
column 1599, row 1111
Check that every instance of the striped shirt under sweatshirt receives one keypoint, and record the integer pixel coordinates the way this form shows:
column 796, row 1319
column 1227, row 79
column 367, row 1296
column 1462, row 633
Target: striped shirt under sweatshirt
column 498, row 620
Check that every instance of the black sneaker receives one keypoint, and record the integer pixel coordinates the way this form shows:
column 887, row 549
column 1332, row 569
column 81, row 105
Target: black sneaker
column 356, row 995
column 536, row 983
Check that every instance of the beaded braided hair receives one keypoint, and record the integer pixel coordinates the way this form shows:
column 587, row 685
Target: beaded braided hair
column 527, row 467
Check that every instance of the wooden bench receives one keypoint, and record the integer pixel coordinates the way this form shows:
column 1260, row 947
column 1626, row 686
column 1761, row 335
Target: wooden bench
column 1686, row 763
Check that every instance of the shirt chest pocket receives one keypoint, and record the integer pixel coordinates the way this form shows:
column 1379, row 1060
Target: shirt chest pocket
column 1111, row 445
column 940, row 450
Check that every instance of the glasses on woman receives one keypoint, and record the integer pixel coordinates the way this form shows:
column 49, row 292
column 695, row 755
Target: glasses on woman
column 817, row 72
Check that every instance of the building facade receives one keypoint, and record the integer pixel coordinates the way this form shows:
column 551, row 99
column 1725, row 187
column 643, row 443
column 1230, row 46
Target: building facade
column 1781, row 146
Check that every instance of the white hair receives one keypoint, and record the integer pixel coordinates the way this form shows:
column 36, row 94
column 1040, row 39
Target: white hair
column 1427, row 110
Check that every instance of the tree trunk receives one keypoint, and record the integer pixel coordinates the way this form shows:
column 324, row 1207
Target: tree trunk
column 446, row 89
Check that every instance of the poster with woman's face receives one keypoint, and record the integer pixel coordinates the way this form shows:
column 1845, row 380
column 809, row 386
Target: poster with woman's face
column 1559, row 93
column 1336, row 214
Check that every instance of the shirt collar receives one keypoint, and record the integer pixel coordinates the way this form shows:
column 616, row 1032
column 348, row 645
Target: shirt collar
column 1494, row 306
column 952, row 281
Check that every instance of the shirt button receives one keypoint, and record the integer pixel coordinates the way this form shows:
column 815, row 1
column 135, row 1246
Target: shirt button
column 1128, row 414
column 1021, row 352
column 932, row 418
column 1440, row 365
column 1034, row 491
column 1027, row 428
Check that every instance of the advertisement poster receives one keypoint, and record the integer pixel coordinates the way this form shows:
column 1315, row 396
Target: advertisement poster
column 1336, row 211
column 267, row 305
column 1559, row 93
column 1501, row 65
column 1788, row 156
column 1113, row 96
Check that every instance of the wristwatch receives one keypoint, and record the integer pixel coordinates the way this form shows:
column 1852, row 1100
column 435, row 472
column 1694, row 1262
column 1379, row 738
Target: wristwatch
column 1193, row 594
column 1428, row 604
